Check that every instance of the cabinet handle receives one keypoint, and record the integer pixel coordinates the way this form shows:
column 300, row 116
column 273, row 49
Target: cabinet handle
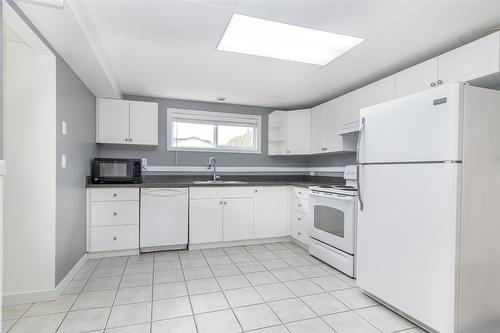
column 115, row 238
column 114, row 194
column 256, row 191
column 324, row 149
column 221, row 202
column 299, row 192
column 440, row 82
column 299, row 233
column 433, row 84
column 115, row 213
column 130, row 140
column 126, row 140
column 299, row 205
column 225, row 202
column 298, row 218
column 288, row 152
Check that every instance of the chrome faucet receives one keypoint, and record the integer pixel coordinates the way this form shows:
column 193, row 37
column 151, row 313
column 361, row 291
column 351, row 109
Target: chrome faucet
column 213, row 164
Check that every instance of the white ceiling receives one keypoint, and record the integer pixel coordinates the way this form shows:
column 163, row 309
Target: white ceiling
column 167, row 48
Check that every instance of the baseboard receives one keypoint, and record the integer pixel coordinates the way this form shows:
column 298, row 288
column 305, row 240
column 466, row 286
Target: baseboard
column 107, row 254
column 45, row 295
column 299, row 243
column 238, row 243
column 71, row 275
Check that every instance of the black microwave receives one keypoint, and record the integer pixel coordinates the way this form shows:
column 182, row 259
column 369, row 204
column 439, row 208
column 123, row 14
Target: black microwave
column 116, row 171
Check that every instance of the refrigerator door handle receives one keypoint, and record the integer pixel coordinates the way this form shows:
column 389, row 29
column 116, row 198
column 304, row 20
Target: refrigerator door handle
column 360, row 133
column 358, row 183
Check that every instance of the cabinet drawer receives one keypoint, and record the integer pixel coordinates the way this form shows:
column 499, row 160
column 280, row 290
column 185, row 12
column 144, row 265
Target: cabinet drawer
column 114, row 238
column 107, row 213
column 300, row 192
column 300, row 233
column 114, row 194
column 300, row 205
column 300, row 218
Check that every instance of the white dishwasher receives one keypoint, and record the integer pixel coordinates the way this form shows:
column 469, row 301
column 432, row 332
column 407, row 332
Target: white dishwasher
column 164, row 219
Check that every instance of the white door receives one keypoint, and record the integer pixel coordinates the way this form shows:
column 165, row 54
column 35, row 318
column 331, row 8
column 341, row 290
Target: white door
column 417, row 78
column 352, row 102
column 164, row 217
column 143, row 123
column 112, row 121
column 271, row 212
column 205, row 220
column 333, row 219
column 471, row 61
column 238, row 219
column 298, row 131
column 416, row 128
column 406, row 238
column 316, row 128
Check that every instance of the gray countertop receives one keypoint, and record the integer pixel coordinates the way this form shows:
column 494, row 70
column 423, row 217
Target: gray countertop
column 189, row 181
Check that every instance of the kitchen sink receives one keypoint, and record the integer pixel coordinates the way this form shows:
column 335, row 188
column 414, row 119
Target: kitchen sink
column 217, row 182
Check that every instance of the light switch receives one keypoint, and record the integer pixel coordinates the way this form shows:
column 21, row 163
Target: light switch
column 64, row 128
column 144, row 161
column 63, row 161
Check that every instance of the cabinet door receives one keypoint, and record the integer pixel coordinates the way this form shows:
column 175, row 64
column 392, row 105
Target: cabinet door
column 205, row 220
column 143, row 123
column 416, row 78
column 298, row 131
column 316, row 128
column 112, row 121
column 471, row 61
column 271, row 212
column 351, row 104
column 238, row 219
column 379, row 92
column 331, row 124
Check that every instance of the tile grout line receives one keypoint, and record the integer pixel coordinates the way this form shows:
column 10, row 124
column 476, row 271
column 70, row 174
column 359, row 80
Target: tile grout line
column 187, row 291
column 116, row 294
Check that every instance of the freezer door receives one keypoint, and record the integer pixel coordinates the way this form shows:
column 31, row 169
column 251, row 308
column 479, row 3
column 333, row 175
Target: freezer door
column 421, row 127
column 407, row 239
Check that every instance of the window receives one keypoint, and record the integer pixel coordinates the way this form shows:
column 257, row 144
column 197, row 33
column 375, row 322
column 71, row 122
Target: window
column 191, row 130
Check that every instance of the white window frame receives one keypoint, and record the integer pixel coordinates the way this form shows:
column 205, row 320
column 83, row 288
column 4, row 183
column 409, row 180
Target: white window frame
column 236, row 118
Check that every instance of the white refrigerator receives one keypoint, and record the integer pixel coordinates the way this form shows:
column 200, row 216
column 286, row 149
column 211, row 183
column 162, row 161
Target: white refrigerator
column 429, row 215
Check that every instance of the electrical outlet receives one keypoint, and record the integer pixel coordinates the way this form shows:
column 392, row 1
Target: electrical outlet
column 63, row 161
column 144, row 161
column 64, row 128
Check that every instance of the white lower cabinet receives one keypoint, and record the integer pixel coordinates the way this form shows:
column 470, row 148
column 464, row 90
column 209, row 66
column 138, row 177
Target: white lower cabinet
column 114, row 238
column 300, row 215
column 205, row 220
column 112, row 219
column 271, row 212
column 238, row 213
column 237, row 219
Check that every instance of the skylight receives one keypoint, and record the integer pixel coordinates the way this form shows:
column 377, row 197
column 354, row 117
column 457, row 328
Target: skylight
column 249, row 35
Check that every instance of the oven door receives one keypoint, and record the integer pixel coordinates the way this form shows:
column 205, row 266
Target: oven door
column 333, row 220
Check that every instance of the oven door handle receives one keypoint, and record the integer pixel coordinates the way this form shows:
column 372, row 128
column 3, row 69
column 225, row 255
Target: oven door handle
column 343, row 198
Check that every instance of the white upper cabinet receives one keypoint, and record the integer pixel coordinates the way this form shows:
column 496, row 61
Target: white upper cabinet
column 143, row 123
column 417, row 78
column 474, row 60
column 127, row 122
column 271, row 212
column 352, row 103
column 112, row 120
column 378, row 92
column 298, row 132
column 326, row 122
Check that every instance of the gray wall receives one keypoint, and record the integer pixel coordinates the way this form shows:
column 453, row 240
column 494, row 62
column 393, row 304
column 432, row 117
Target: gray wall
column 159, row 156
column 334, row 160
column 76, row 105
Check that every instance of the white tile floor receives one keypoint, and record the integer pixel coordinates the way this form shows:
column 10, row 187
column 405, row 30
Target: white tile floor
column 269, row 288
